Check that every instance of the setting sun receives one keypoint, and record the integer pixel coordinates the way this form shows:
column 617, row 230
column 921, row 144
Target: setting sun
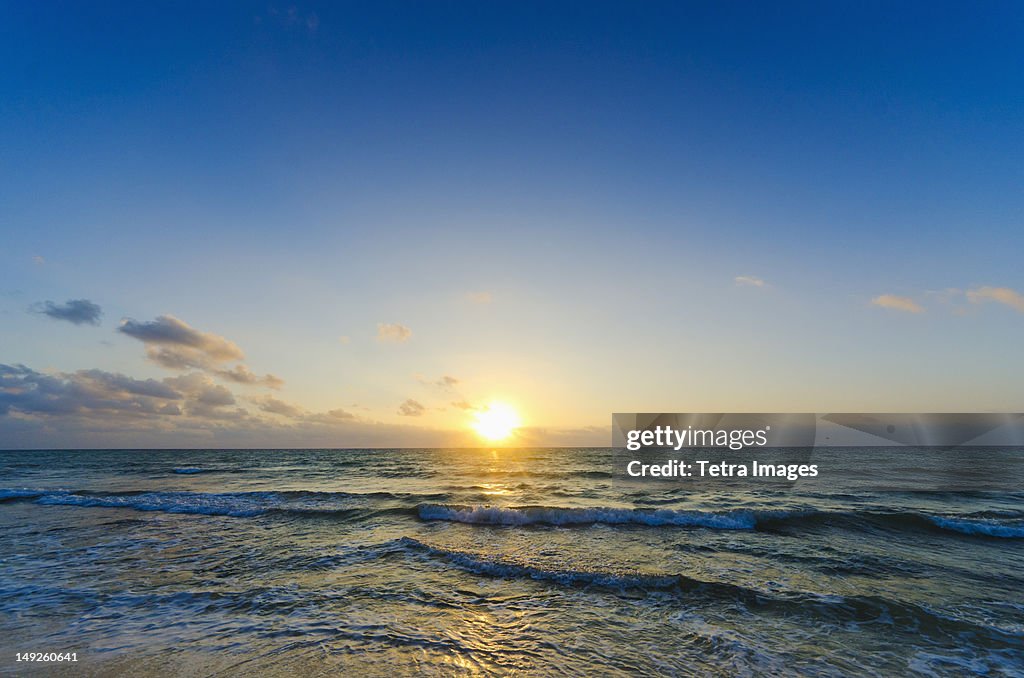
column 496, row 422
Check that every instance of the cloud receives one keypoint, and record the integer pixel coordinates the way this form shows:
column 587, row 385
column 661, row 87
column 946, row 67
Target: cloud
column 240, row 374
column 462, row 405
column 445, row 383
column 176, row 345
column 393, row 332
column 203, row 397
column 344, row 339
column 480, row 297
column 28, row 391
column 184, row 340
column 77, row 311
column 749, row 281
column 275, row 406
column 411, row 408
column 335, row 417
column 1002, row 295
column 897, row 303
column 38, row 260
column 98, row 409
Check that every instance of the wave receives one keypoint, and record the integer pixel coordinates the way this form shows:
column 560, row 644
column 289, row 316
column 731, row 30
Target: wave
column 788, row 603
column 507, row 569
column 236, row 504
column 240, row 506
column 13, row 494
column 349, row 504
column 544, row 515
column 724, row 520
column 985, row 527
column 192, row 470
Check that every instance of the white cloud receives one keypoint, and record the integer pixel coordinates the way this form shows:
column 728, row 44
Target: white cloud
column 897, row 303
column 749, row 281
column 1002, row 295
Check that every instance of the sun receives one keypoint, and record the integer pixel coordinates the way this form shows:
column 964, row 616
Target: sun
column 496, row 422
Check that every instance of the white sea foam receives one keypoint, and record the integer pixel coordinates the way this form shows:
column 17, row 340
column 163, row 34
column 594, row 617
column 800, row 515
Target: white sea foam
column 543, row 515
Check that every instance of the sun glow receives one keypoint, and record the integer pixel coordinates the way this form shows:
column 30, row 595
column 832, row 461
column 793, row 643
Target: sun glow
column 496, row 422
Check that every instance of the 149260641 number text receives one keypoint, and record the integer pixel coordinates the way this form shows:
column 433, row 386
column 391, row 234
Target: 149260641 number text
column 47, row 656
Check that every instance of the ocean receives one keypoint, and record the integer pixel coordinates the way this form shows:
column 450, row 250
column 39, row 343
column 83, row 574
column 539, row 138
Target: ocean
column 528, row 562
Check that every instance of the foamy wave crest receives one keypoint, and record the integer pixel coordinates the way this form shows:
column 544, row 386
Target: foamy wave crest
column 988, row 528
column 544, row 515
column 507, row 569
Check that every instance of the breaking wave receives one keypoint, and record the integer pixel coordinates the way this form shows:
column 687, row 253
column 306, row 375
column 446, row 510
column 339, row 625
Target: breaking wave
column 309, row 503
column 987, row 528
column 724, row 520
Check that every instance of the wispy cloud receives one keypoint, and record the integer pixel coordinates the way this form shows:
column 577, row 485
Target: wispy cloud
column 1002, row 295
column 897, row 303
column 749, row 281
column 411, row 408
column 445, row 383
column 393, row 333
column 480, row 297
column 77, row 311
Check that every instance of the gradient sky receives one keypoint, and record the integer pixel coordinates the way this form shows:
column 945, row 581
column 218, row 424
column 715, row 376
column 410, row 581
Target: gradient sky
column 404, row 211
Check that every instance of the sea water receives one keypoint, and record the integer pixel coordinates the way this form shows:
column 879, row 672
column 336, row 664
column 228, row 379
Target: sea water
column 506, row 561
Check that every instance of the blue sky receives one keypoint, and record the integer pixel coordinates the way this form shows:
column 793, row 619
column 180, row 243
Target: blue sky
column 575, row 208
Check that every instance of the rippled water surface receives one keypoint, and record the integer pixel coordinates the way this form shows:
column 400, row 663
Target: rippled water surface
column 393, row 562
